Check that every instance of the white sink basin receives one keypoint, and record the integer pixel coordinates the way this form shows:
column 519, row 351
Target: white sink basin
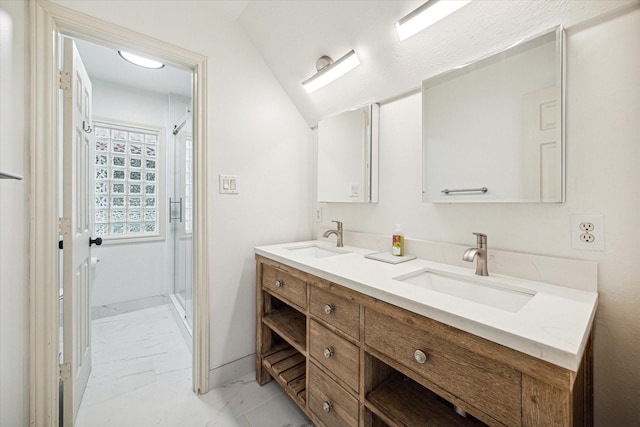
column 481, row 290
column 315, row 251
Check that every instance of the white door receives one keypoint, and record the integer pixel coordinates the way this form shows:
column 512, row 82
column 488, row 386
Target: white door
column 77, row 144
column 542, row 151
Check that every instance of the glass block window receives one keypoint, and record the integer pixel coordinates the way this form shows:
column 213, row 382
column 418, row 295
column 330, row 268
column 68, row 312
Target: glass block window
column 126, row 181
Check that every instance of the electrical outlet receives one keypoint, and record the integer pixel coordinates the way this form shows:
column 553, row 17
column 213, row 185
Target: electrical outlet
column 354, row 189
column 586, row 226
column 587, row 232
column 318, row 215
column 587, row 238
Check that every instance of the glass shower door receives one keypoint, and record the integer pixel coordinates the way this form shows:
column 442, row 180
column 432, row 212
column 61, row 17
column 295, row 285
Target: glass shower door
column 181, row 217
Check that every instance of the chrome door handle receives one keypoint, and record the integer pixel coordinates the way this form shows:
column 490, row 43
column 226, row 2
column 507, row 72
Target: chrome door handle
column 171, row 203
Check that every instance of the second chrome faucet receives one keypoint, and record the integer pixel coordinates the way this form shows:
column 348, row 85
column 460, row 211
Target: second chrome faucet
column 337, row 232
column 479, row 253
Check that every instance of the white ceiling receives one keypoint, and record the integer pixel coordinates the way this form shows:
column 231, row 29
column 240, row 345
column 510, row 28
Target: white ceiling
column 292, row 34
column 104, row 63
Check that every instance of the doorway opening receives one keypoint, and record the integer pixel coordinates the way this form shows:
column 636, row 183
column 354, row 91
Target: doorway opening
column 137, row 138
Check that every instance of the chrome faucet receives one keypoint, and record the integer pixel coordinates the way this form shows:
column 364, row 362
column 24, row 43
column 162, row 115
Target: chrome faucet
column 337, row 232
column 479, row 252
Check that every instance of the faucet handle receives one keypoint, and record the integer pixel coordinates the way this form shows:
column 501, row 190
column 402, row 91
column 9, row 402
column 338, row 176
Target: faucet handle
column 338, row 223
column 481, row 239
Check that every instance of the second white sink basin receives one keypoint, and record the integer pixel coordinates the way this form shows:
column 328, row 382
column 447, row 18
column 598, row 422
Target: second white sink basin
column 315, row 251
column 480, row 290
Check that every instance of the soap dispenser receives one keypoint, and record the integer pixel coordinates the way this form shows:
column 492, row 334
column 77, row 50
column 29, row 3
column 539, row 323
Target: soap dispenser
column 397, row 247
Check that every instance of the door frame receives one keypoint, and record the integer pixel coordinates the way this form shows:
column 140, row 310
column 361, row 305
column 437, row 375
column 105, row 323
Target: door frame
column 47, row 22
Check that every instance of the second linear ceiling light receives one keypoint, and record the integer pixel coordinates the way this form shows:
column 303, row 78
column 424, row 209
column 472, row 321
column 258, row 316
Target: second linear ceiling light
column 426, row 15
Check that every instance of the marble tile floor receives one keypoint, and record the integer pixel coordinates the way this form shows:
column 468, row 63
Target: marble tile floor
column 141, row 376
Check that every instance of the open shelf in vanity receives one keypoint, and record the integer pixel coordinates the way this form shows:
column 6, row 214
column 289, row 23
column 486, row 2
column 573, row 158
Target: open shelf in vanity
column 284, row 356
column 290, row 325
column 396, row 400
column 288, row 367
column 348, row 359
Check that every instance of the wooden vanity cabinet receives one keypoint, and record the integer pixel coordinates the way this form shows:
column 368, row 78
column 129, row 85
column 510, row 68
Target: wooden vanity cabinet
column 348, row 359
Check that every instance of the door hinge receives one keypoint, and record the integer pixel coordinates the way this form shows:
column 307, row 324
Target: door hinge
column 64, row 225
column 65, row 371
column 64, row 80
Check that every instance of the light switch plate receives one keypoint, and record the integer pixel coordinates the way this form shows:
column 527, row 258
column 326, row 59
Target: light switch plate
column 228, row 184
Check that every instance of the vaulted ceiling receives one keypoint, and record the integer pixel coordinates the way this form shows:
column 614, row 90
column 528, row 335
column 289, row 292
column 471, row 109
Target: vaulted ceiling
column 292, row 34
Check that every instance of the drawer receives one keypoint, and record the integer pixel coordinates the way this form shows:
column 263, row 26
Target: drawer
column 330, row 402
column 336, row 311
column 284, row 285
column 488, row 386
column 335, row 353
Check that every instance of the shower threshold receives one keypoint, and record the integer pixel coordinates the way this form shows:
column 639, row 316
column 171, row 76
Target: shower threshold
column 181, row 320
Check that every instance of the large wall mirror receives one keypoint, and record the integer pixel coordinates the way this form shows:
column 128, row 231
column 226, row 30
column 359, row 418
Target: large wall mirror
column 348, row 156
column 493, row 130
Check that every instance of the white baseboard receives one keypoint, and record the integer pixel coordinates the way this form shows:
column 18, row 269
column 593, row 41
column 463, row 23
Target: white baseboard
column 127, row 306
column 231, row 371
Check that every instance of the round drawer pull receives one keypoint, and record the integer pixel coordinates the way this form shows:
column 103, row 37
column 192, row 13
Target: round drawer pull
column 420, row 356
column 328, row 308
column 327, row 353
column 327, row 406
column 279, row 283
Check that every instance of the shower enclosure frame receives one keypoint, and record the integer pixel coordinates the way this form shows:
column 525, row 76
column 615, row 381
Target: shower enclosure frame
column 47, row 22
column 181, row 224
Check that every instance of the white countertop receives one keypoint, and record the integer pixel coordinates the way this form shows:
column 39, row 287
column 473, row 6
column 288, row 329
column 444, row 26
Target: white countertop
column 553, row 326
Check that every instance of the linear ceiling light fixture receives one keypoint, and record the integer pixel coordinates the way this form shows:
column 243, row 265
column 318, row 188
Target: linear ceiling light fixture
column 328, row 70
column 426, row 15
column 140, row 60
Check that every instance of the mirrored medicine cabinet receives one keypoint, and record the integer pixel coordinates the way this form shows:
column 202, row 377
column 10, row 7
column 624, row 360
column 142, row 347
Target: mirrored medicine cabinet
column 492, row 130
column 348, row 156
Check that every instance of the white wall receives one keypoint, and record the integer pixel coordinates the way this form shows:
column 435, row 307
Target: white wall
column 14, row 233
column 255, row 132
column 129, row 271
column 603, row 176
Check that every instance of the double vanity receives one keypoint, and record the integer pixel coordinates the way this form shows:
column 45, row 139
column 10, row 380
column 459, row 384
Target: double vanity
column 359, row 342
